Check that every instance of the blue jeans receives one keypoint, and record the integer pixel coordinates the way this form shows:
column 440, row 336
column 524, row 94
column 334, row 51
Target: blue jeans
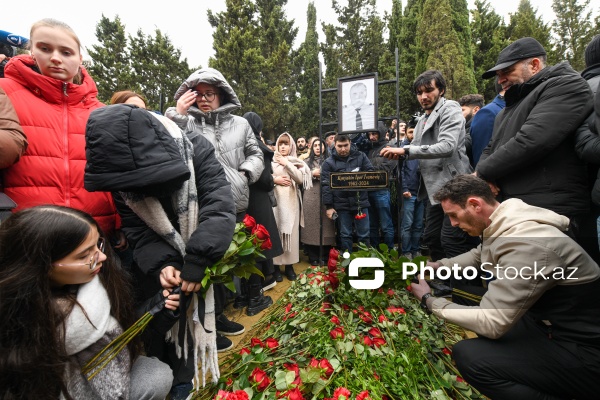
column 381, row 217
column 346, row 221
column 412, row 223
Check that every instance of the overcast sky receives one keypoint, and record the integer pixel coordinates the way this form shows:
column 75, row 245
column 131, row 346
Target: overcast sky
column 185, row 21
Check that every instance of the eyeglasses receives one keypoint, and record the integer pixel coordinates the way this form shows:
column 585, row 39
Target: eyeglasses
column 93, row 260
column 209, row 96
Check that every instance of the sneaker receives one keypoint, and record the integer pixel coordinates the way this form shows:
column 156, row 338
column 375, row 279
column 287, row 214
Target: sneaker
column 408, row 255
column 227, row 327
column 223, row 343
column 417, row 254
column 269, row 283
column 290, row 273
column 257, row 304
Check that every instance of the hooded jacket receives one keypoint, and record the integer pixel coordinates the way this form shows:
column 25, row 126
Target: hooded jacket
column 130, row 151
column 53, row 115
column 344, row 200
column 381, row 163
column 235, row 146
column 520, row 240
column 531, row 155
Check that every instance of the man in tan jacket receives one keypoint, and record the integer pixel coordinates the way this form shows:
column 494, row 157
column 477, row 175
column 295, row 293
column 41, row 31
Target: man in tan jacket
column 539, row 321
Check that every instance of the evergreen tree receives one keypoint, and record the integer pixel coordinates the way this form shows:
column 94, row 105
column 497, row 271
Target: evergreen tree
column 110, row 65
column 573, row 29
column 410, row 52
column 444, row 49
column 238, row 55
column 488, row 39
column 526, row 23
column 355, row 46
column 277, row 35
column 158, row 68
column 307, row 77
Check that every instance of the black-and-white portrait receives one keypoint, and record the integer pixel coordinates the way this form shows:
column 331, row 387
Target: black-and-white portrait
column 357, row 103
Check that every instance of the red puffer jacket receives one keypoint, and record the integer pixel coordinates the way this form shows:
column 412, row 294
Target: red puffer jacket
column 53, row 115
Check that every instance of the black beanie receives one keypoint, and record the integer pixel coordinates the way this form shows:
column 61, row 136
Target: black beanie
column 592, row 52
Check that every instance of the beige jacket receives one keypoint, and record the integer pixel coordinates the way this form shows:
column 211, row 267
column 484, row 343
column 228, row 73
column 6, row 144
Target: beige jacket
column 525, row 241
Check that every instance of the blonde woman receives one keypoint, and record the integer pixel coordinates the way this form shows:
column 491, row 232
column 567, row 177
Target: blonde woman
column 289, row 173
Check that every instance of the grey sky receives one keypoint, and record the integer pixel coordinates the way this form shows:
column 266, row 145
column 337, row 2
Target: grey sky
column 185, row 21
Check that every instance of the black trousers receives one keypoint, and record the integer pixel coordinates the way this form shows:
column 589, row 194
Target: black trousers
column 443, row 239
column 525, row 364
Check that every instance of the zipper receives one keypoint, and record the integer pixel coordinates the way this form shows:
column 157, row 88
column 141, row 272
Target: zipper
column 66, row 183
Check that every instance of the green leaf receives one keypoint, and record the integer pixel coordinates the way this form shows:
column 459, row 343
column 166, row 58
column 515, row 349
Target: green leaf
column 230, row 286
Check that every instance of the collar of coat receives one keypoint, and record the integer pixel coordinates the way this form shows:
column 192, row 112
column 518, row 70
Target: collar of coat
column 517, row 92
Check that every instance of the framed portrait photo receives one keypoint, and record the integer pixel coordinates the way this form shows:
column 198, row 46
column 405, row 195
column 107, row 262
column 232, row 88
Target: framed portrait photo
column 357, row 103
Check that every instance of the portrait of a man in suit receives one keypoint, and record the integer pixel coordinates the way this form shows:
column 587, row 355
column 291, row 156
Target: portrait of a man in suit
column 358, row 106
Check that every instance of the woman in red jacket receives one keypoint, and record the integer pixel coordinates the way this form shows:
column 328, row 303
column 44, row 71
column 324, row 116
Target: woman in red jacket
column 53, row 96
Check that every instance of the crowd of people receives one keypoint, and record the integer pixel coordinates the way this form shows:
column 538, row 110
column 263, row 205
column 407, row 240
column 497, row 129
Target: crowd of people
column 119, row 208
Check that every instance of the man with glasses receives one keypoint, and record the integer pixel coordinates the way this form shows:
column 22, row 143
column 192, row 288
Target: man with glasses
column 531, row 155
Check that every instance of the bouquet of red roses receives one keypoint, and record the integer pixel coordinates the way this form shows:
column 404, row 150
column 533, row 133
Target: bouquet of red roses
column 249, row 239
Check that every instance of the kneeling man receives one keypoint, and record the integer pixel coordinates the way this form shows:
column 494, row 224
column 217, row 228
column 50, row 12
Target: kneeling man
column 539, row 322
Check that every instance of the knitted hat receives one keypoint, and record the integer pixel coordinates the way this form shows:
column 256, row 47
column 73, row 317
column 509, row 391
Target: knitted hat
column 592, row 52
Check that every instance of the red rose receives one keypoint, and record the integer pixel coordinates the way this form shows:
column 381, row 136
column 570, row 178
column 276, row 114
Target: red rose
column 334, row 253
column 266, row 245
column 459, row 379
column 326, row 367
column 256, row 342
column 260, row 378
column 376, row 376
column 261, row 232
column 288, row 308
column 366, row 317
column 378, row 342
column 446, row 351
column 271, row 343
column 294, row 394
column 345, row 307
column 314, row 363
column 335, row 320
column 375, row 332
column 367, row 341
column 396, row 310
column 390, row 292
column 334, row 281
column 341, row 393
column 382, row 318
column 364, row 395
column 337, row 333
column 222, row 395
column 326, row 306
column 244, row 350
column 241, row 395
column 249, row 222
column 229, row 381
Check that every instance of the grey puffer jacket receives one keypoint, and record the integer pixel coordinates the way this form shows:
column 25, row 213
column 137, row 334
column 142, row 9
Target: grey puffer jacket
column 235, row 146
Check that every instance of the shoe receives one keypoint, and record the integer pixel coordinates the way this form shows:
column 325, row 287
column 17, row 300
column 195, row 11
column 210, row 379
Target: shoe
column 227, row 327
column 223, row 344
column 290, row 273
column 269, row 283
column 257, row 305
column 181, row 391
column 417, row 254
column 408, row 255
column 277, row 274
column 314, row 263
column 240, row 302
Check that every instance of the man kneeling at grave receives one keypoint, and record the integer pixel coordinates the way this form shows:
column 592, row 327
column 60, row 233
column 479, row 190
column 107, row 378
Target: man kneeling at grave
column 539, row 322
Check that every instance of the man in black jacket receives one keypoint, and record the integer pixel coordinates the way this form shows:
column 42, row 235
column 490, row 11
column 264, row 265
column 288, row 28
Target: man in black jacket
column 351, row 207
column 531, row 155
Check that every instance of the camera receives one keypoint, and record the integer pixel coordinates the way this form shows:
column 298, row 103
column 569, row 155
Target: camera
column 334, row 216
column 9, row 52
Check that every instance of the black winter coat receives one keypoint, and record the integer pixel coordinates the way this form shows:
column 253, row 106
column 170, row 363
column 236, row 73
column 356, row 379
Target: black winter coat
column 344, row 200
column 531, row 155
column 151, row 252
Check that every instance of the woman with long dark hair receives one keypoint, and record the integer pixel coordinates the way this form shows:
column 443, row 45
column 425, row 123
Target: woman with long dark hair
column 310, row 235
column 62, row 300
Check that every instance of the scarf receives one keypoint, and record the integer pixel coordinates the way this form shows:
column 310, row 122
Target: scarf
column 185, row 204
column 88, row 329
column 289, row 197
